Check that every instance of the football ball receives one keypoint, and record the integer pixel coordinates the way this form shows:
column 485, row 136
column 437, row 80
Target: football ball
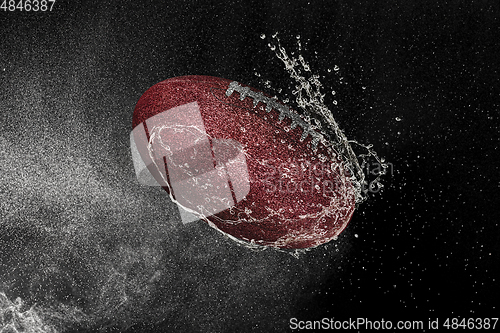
column 242, row 161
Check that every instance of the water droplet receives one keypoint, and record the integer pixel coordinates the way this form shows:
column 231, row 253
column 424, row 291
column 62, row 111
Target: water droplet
column 262, row 36
column 398, row 119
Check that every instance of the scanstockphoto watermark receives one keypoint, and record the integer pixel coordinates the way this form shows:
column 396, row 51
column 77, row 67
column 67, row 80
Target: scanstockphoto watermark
column 304, row 176
column 355, row 324
column 366, row 324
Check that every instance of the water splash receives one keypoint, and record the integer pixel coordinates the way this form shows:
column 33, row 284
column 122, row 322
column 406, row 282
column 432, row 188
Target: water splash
column 14, row 318
column 311, row 103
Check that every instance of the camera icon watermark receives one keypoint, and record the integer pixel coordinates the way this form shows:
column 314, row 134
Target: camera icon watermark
column 203, row 175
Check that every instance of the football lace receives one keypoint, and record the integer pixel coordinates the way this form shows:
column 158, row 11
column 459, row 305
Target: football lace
column 284, row 111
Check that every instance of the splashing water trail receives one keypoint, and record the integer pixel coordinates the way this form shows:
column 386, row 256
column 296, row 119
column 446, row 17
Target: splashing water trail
column 13, row 318
column 311, row 103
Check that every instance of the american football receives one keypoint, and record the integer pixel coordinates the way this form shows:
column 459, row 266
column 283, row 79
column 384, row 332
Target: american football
column 241, row 160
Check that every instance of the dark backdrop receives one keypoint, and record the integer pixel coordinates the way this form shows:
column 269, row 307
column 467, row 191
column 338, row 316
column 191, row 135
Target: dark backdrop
column 87, row 248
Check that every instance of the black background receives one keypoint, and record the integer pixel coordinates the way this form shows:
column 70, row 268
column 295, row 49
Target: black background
column 417, row 79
